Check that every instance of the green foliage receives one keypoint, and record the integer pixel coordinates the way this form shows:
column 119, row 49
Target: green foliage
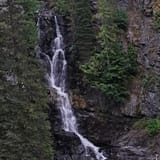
column 80, row 18
column 156, row 18
column 63, row 6
column 120, row 18
column 30, row 6
column 148, row 80
column 84, row 34
column 110, row 71
column 29, row 28
column 111, row 68
column 24, row 112
column 140, row 124
column 152, row 126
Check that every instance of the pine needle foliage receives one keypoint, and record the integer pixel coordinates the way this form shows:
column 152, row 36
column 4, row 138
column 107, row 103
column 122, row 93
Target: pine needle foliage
column 79, row 14
column 111, row 67
column 24, row 126
column 84, row 35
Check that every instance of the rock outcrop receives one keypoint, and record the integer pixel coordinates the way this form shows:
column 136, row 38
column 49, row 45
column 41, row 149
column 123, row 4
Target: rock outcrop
column 144, row 92
column 137, row 144
column 110, row 128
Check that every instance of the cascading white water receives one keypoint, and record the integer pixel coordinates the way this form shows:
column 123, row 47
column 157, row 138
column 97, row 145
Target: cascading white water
column 57, row 79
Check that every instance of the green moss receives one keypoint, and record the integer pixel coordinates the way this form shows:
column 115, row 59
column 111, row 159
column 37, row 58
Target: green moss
column 140, row 124
column 152, row 126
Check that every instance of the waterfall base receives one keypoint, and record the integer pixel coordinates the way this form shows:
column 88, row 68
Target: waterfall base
column 106, row 135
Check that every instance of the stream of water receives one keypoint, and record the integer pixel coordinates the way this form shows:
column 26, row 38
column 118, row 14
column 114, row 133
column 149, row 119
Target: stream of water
column 57, row 81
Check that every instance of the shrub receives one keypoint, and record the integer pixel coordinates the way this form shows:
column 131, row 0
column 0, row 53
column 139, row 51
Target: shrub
column 152, row 126
column 111, row 67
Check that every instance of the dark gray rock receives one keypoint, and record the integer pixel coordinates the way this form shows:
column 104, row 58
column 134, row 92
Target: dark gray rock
column 137, row 145
column 111, row 133
column 143, row 100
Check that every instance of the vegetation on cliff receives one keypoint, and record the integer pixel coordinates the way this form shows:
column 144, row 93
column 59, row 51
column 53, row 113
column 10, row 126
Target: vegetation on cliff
column 156, row 14
column 24, row 112
column 107, row 65
column 151, row 125
column 80, row 15
column 111, row 67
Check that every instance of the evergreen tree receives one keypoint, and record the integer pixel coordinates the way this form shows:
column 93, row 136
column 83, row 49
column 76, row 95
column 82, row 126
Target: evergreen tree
column 111, row 67
column 24, row 126
column 80, row 15
column 84, row 35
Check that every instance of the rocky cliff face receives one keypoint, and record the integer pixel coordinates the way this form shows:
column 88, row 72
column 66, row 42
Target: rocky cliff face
column 144, row 93
column 144, row 99
column 111, row 128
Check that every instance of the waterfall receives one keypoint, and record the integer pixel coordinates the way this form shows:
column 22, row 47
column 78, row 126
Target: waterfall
column 57, row 81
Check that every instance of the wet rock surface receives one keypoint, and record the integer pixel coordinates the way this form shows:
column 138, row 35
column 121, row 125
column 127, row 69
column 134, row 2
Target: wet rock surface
column 100, row 130
column 109, row 128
